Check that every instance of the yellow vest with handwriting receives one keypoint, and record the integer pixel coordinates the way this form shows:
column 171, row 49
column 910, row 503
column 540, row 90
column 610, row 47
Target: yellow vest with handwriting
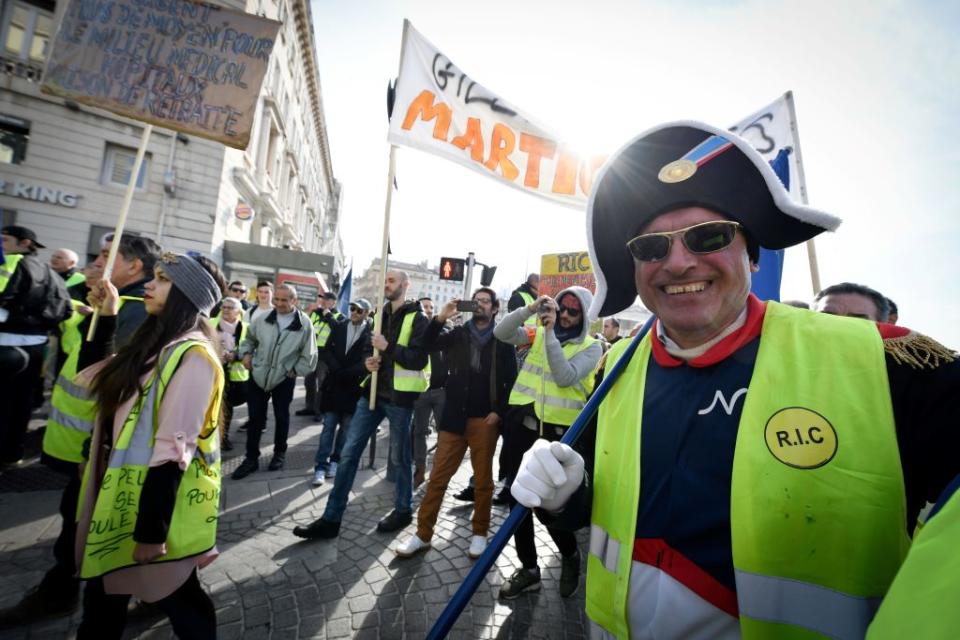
column 193, row 526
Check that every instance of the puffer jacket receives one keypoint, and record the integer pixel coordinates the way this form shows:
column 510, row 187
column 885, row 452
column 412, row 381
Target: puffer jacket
column 277, row 353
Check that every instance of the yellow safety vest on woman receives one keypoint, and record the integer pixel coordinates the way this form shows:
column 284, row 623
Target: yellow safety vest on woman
column 193, row 526
column 558, row 405
column 236, row 372
column 818, row 505
column 72, row 410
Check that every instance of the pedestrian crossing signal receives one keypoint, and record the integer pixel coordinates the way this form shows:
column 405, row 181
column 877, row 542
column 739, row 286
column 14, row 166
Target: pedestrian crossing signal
column 452, row 269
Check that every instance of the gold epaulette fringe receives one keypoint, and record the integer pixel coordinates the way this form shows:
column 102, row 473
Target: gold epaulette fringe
column 918, row 351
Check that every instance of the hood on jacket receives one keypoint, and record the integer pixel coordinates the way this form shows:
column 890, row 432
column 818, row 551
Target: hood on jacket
column 586, row 299
column 297, row 323
column 408, row 306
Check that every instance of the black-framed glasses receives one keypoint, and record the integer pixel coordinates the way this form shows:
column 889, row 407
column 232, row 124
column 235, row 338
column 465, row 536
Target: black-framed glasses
column 701, row 239
column 570, row 311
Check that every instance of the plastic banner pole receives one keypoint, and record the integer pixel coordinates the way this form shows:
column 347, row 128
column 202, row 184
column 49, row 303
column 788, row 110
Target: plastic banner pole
column 470, row 584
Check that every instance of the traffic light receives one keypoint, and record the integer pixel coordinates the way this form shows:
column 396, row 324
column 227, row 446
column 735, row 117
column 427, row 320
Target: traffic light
column 486, row 276
column 452, row 269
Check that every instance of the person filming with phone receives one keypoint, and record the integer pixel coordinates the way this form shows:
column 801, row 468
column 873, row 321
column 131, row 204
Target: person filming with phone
column 552, row 387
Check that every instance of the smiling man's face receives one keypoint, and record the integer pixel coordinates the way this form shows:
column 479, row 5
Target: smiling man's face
column 694, row 296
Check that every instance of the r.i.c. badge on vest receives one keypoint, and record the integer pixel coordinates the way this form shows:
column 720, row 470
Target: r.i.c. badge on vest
column 800, row 438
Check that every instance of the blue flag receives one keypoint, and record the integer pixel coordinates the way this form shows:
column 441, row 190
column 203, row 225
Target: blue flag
column 766, row 282
column 343, row 298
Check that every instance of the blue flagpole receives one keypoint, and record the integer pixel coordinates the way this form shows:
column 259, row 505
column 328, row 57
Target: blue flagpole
column 470, row 584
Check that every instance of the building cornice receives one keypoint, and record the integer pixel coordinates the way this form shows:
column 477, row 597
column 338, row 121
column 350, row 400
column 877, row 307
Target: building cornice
column 304, row 26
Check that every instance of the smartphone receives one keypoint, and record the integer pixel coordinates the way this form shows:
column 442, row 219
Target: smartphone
column 544, row 307
column 467, row 305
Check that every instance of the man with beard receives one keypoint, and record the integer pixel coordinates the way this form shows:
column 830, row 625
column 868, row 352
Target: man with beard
column 403, row 376
column 481, row 373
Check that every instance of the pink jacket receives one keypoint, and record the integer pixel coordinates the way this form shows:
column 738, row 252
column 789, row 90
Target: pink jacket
column 179, row 423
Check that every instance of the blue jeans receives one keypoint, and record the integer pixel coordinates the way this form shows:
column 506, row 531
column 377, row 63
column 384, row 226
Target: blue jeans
column 362, row 425
column 329, row 448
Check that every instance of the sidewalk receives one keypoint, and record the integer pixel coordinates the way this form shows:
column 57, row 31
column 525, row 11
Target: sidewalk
column 269, row 584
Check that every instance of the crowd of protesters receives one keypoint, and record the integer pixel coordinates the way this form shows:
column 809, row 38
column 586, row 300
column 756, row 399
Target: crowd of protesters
column 175, row 350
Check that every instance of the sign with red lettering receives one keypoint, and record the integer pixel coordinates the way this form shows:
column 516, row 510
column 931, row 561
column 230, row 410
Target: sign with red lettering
column 441, row 110
column 188, row 66
column 561, row 270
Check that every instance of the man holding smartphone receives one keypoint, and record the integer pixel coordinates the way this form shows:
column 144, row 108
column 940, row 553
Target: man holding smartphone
column 552, row 387
column 481, row 373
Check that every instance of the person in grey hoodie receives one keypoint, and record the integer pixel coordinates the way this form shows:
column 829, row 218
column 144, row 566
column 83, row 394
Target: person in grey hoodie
column 552, row 387
column 279, row 347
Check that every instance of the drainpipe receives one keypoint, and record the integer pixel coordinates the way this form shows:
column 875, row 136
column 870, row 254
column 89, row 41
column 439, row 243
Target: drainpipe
column 163, row 201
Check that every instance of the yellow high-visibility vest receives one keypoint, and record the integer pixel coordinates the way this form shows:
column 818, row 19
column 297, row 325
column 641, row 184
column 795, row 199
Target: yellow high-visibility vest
column 817, row 503
column 193, row 526
column 72, row 409
column 9, row 265
column 558, row 405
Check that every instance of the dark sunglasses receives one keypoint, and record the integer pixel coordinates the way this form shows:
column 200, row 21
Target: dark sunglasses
column 238, row 289
column 573, row 313
column 703, row 238
column 355, row 310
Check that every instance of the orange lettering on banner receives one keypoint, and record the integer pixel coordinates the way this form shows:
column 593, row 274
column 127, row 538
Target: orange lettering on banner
column 588, row 170
column 502, row 143
column 472, row 138
column 565, row 175
column 536, row 149
column 424, row 108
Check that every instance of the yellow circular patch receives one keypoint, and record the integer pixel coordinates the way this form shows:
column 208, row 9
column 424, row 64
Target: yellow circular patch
column 800, row 438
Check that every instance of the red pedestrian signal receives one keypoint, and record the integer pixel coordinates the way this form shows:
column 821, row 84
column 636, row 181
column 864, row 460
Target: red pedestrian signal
column 452, row 269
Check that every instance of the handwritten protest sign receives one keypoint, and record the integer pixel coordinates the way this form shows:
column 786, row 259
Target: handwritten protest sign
column 561, row 270
column 188, row 66
column 441, row 110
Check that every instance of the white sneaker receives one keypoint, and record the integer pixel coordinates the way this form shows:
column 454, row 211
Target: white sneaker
column 332, row 470
column 318, row 477
column 478, row 544
column 412, row 546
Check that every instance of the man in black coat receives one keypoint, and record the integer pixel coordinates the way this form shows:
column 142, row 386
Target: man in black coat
column 482, row 370
column 341, row 389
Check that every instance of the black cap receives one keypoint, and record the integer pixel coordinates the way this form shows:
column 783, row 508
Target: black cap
column 22, row 233
column 685, row 164
column 328, row 295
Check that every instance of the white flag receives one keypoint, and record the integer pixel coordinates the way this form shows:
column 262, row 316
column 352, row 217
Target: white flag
column 441, row 110
column 771, row 129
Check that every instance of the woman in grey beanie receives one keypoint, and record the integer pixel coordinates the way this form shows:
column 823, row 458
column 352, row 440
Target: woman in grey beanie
column 151, row 490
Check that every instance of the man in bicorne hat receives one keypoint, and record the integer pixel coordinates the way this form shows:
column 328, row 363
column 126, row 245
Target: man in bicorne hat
column 758, row 469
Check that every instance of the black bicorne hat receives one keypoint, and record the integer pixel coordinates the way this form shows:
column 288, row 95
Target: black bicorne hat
column 685, row 164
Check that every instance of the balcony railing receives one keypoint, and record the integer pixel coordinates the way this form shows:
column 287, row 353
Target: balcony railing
column 30, row 71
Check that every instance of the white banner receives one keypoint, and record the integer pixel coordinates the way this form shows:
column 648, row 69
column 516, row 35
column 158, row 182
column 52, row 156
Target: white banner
column 440, row 110
column 771, row 129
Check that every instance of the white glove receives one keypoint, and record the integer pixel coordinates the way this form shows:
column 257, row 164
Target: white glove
column 549, row 474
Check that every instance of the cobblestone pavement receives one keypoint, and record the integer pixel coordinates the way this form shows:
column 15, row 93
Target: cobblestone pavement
column 269, row 584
